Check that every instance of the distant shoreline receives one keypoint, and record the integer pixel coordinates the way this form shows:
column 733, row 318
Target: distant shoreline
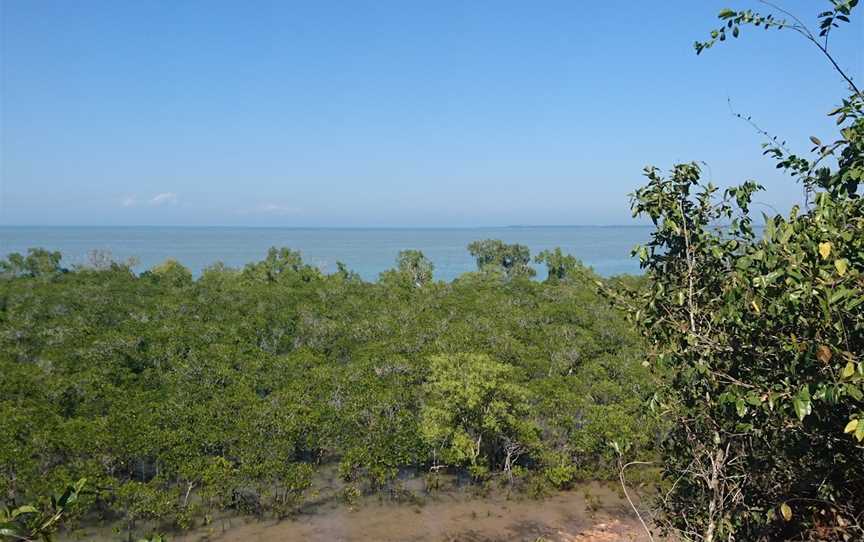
column 223, row 226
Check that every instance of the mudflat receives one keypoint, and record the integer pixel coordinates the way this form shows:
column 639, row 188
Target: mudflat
column 570, row 516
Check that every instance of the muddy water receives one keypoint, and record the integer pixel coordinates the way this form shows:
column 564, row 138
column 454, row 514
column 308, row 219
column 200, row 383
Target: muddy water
column 566, row 516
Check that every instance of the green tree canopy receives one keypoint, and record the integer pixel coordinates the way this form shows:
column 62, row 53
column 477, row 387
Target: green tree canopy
column 475, row 412
column 513, row 260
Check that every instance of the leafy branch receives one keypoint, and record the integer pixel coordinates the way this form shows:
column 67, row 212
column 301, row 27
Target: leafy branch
column 734, row 20
column 29, row 523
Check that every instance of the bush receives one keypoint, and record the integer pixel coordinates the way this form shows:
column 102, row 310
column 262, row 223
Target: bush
column 760, row 340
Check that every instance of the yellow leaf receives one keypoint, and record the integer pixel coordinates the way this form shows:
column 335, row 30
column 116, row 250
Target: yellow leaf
column 851, row 426
column 786, row 511
column 841, row 266
column 849, row 370
column 756, row 307
column 825, row 250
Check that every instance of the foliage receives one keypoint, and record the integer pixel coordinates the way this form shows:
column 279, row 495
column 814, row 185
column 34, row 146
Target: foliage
column 279, row 264
column 559, row 265
column 497, row 256
column 475, row 413
column 184, row 398
column 38, row 263
column 413, row 270
column 34, row 522
column 760, row 339
column 415, row 266
column 171, row 272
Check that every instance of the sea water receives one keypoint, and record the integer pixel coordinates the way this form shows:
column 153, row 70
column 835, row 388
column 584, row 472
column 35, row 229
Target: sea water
column 368, row 251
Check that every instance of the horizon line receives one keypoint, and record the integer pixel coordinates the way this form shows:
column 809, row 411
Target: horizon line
column 226, row 226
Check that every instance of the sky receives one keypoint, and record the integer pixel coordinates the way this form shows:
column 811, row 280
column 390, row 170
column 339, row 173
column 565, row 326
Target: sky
column 390, row 113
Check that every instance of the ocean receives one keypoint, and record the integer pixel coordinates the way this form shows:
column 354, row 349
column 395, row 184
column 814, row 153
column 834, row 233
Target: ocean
column 368, row 251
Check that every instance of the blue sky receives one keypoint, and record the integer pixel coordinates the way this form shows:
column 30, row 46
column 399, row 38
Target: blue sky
column 388, row 113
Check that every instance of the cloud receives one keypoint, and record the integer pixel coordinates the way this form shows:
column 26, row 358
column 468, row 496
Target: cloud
column 271, row 209
column 274, row 209
column 165, row 198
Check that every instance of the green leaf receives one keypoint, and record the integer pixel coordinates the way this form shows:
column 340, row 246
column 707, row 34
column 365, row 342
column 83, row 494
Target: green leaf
column 741, row 407
column 838, row 295
column 848, row 371
column 801, row 403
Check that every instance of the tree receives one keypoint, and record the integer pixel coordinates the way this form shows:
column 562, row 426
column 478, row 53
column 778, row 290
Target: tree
column 416, row 266
column 279, row 264
column 413, row 270
column 559, row 265
column 38, row 263
column 761, row 340
column 171, row 272
column 495, row 255
column 476, row 413
column 379, row 414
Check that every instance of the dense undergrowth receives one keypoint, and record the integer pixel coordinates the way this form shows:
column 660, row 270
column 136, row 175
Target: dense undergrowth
column 180, row 397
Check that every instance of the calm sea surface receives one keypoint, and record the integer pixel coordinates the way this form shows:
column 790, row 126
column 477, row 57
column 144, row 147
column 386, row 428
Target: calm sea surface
column 367, row 251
